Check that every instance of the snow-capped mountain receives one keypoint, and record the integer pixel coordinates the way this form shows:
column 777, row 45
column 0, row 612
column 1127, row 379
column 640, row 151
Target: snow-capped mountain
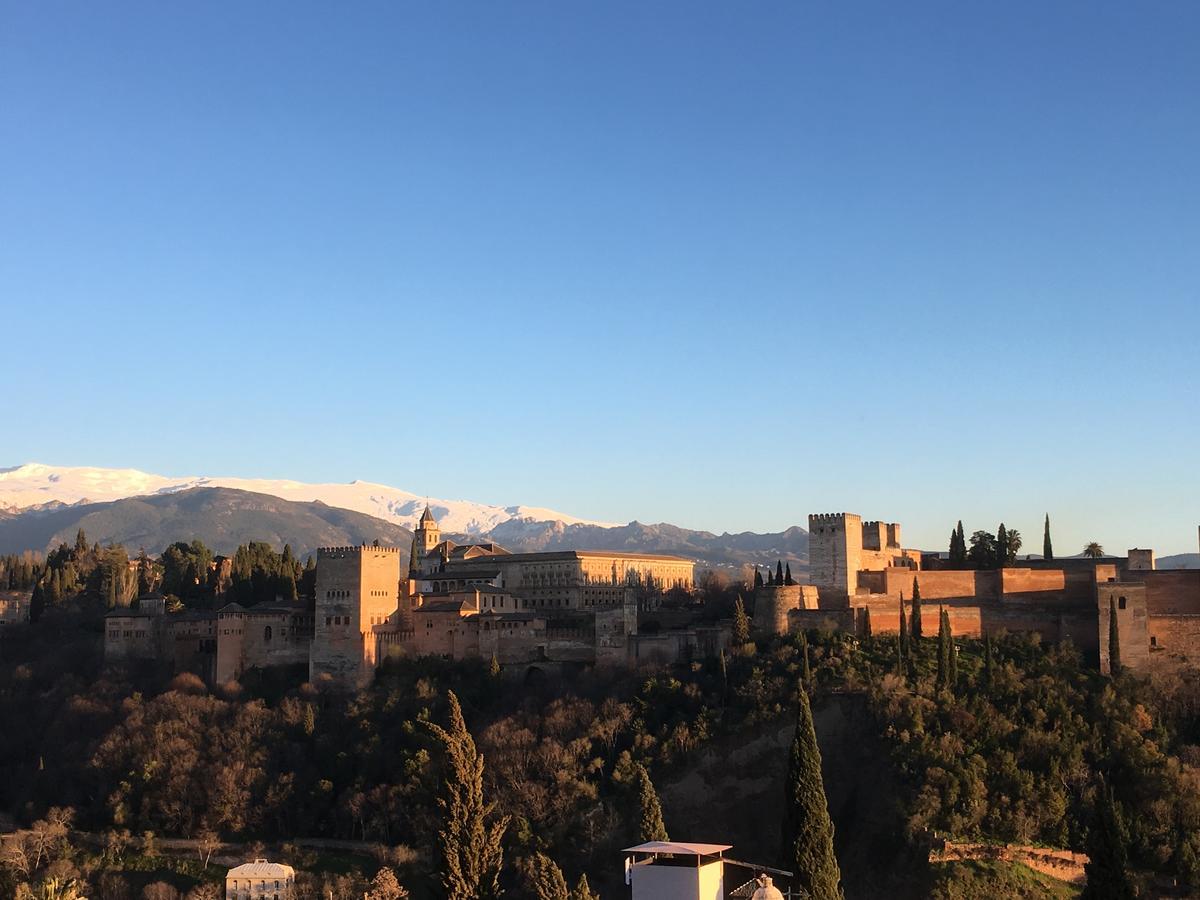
column 34, row 485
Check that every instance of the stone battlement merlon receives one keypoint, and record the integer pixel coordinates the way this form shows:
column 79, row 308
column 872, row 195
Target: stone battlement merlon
column 329, row 551
column 828, row 517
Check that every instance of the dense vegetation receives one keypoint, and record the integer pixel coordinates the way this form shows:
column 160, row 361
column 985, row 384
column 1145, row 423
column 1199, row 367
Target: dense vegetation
column 1004, row 741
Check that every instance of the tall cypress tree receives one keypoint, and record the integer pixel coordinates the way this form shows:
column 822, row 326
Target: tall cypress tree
column 988, row 661
column 1114, row 640
column 917, row 628
column 1047, row 547
column 807, row 828
column 943, row 660
column 866, row 622
column 899, row 656
column 758, row 582
column 741, row 623
column 778, row 572
column 787, row 574
column 904, row 639
column 958, row 547
column 650, row 818
column 1107, row 869
column 805, row 668
column 470, row 836
column 1001, row 546
column 952, row 679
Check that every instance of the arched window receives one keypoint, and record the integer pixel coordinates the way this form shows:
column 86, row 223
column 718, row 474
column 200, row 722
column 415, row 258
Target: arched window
column 267, row 633
column 1121, row 603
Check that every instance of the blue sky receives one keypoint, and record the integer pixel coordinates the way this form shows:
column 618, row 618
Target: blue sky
column 715, row 264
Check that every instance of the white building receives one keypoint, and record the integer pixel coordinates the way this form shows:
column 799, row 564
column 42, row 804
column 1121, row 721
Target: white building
column 260, row 880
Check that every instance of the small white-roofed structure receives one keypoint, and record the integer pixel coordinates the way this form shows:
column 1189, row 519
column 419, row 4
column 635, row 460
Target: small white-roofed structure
column 676, row 870
column 260, row 880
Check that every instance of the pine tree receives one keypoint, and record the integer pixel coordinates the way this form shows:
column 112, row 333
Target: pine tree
column 943, row 661
column 384, row 886
column 1001, row 546
column 866, row 622
column 805, row 667
column 583, row 890
column 807, row 828
column 778, row 572
column 741, row 623
column 787, row 574
column 650, row 818
column 917, row 627
column 1114, row 640
column 1107, row 869
column 470, row 836
column 1047, row 547
column 544, row 879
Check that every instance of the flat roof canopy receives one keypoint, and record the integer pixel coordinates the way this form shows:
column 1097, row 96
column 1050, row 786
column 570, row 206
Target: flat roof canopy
column 679, row 847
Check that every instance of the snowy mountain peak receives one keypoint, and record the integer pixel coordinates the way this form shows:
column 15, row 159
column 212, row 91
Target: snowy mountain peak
column 36, row 484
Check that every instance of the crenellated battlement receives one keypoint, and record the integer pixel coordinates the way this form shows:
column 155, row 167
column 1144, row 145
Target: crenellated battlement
column 342, row 552
column 828, row 518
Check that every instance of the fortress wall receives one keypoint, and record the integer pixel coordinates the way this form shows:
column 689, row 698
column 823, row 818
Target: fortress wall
column 939, row 585
column 1176, row 637
column 1024, row 581
column 1172, row 592
column 824, row 620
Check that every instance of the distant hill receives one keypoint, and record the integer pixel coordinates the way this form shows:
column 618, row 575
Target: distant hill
column 222, row 518
column 703, row 546
column 1179, row 561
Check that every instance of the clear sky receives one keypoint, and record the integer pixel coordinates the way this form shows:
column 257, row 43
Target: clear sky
column 721, row 265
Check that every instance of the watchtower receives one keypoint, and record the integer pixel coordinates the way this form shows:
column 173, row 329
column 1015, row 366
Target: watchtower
column 357, row 588
column 426, row 536
column 835, row 546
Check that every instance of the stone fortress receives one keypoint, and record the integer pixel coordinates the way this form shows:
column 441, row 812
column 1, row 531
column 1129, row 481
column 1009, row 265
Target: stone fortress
column 859, row 571
column 535, row 611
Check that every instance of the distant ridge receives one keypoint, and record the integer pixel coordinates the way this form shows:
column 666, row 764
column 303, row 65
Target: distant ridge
column 222, row 518
column 35, row 484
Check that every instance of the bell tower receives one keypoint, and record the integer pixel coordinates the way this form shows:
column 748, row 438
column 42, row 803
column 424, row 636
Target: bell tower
column 426, row 536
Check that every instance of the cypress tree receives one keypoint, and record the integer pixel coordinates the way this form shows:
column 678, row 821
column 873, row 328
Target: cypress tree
column 494, row 667
column 545, row 879
column 988, row 661
column 37, row 603
column 917, row 628
column 778, row 572
column 953, row 677
column 787, row 574
column 943, row 662
column 958, row 547
column 650, row 818
column 469, row 839
column 899, row 657
column 866, row 622
column 770, row 577
column 1001, row 546
column 741, row 623
column 583, row 890
column 758, row 582
column 81, row 544
column 807, row 828
column 1047, row 547
column 904, row 638
column 1114, row 640
column 1107, row 869
column 805, row 668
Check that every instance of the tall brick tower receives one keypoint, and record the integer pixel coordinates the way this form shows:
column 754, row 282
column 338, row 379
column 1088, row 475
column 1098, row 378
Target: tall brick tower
column 357, row 588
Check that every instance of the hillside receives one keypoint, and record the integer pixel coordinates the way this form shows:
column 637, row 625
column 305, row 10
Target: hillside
column 703, row 546
column 220, row 517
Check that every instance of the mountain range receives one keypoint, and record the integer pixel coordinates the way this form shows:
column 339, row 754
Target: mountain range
column 42, row 506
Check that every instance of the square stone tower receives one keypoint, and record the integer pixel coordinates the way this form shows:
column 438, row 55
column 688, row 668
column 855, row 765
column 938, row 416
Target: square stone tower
column 835, row 546
column 357, row 588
